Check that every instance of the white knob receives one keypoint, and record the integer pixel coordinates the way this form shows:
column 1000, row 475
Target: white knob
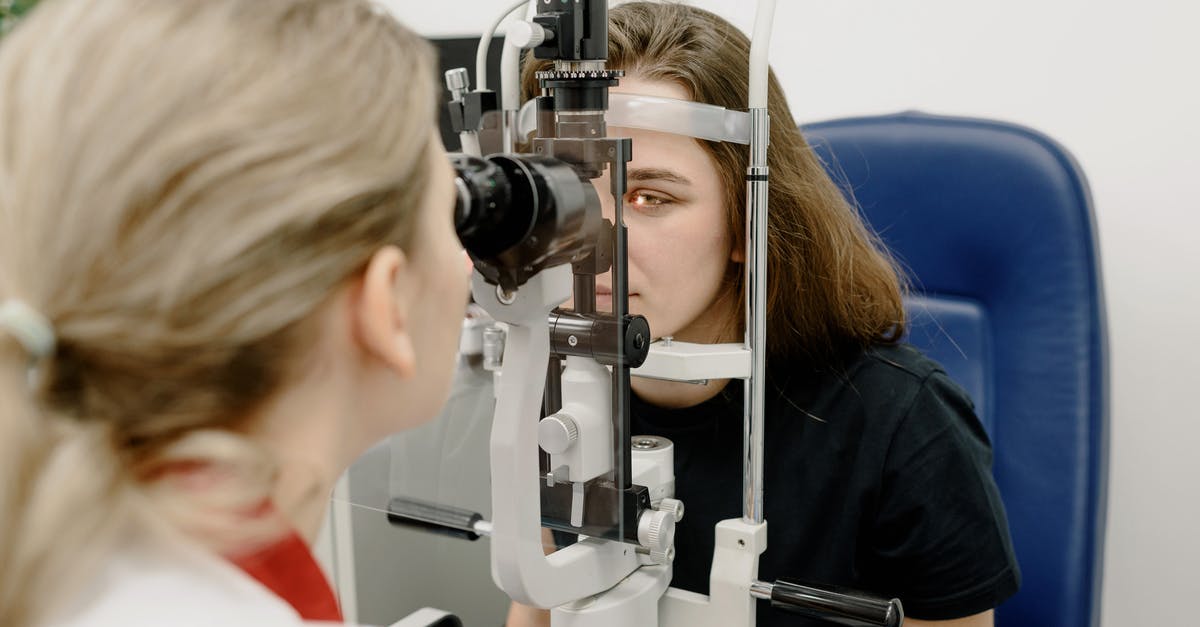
column 673, row 507
column 663, row 557
column 557, row 433
column 457, row 82
column 524, row 34
column 656, row 530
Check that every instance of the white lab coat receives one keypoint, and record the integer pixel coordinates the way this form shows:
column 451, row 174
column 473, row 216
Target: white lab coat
column 156, row 582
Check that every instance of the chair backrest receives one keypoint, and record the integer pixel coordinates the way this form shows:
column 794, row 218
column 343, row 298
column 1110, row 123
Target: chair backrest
column 994, row 224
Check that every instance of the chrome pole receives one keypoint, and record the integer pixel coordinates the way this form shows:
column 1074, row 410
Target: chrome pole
column 756, row 315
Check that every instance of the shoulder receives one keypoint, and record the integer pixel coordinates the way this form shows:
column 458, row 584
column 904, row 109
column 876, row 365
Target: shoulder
column 935, row 532
column 882, row 382
column 885, row 401
column 899, row 364
column 882, row 364
column 933, row 406
column 160, row 583
column 911, row 413
column 933, row 392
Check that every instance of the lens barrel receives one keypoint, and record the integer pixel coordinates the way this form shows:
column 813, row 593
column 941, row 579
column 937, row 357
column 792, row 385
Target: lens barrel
column 520, row 214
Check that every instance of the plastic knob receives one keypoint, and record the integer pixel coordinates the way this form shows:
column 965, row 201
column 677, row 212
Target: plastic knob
column 527, row 34
column 663, row 557
column 656, row 530
column 457, row 81
column 673, row 507
column 557, row 433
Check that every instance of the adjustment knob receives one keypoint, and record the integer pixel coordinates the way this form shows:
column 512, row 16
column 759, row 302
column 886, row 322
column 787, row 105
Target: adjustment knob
column 656, row 530
column 663, row 557
column 457, row 82
column 674, row 507
column 524, row 34
column 557, row 433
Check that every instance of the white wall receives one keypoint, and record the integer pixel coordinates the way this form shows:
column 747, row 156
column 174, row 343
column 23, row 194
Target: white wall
column 1118, row 83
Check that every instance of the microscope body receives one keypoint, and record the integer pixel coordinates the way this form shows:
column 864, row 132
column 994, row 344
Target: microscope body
column 532, row 226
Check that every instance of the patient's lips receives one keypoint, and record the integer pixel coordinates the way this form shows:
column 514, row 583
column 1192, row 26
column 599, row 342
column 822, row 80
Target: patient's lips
column 604, row 297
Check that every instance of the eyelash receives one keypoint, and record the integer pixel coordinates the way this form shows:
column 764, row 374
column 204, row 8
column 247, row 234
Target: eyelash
column 658, row 202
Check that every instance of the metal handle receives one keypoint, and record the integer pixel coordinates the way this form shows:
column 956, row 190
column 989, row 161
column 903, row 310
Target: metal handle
column 832, row 604
column 443, row 519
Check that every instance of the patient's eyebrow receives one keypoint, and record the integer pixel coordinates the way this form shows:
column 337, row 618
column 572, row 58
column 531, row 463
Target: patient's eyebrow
column 658, row 174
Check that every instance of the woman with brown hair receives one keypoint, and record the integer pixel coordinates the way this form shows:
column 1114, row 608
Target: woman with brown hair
column 227, row 258
column 877, row 469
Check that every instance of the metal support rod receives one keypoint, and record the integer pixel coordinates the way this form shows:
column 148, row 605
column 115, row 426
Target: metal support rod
column 552, row 398
column 756, row 317
column 509, row 132
column 761, row 589
column 620, row 304
column 585, row 293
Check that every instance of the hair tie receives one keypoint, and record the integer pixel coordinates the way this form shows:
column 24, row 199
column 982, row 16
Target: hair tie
column 29, row 327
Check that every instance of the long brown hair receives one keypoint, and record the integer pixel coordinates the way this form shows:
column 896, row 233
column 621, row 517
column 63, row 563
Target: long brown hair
column 832, row 285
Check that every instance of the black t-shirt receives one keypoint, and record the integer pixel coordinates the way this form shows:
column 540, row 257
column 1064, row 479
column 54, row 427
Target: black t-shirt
column 877, row 477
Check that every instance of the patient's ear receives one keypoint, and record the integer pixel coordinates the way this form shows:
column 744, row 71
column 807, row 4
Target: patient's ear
column 382, row 311
column 738, row 253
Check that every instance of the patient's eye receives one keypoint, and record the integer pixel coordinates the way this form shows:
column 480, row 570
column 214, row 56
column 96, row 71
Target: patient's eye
column 648, row 202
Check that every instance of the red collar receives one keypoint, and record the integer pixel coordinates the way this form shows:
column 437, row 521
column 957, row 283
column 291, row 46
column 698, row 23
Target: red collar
column 289, row 569
column 286, row 567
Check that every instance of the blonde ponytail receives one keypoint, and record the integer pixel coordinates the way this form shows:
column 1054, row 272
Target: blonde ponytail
column 63, row 497
column 24, row 443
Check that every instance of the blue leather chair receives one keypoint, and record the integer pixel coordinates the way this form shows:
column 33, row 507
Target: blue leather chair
column 994, row 223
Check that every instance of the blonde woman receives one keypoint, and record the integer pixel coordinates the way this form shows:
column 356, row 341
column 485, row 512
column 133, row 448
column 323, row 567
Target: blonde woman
column 227, row 267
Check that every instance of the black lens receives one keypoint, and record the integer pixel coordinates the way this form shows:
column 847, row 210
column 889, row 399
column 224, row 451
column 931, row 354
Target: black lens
column 520, row 214
column 487, row 219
